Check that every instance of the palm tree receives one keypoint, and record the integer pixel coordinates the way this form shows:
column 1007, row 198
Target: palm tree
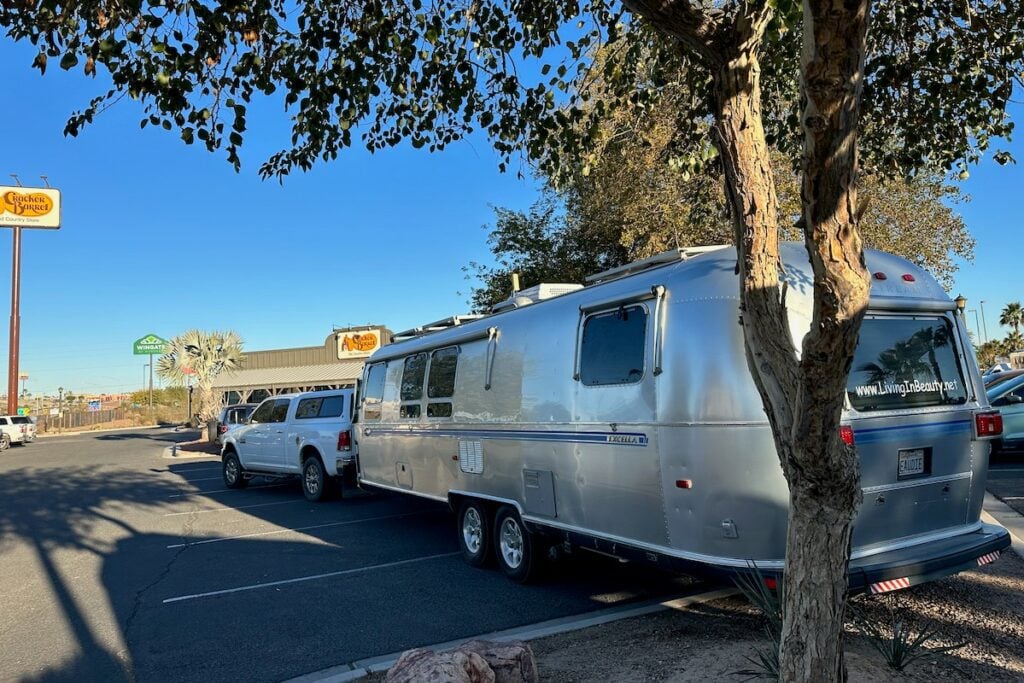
column 1012, row 342
column 1012, row 316
column 201, row 356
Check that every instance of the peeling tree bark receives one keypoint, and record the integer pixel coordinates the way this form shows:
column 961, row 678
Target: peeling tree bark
column 803, row 396
column 823, row 475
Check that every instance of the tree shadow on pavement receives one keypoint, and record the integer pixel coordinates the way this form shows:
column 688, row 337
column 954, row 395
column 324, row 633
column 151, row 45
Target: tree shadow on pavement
column 49, row 511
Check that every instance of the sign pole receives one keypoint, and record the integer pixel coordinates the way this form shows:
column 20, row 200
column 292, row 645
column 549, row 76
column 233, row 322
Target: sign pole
column 15, row 332
column 151, row 386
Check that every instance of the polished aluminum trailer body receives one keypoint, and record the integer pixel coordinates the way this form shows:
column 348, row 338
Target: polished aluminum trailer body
column 676, row 460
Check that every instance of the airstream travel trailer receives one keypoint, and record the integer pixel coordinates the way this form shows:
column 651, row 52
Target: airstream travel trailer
column 621, row 417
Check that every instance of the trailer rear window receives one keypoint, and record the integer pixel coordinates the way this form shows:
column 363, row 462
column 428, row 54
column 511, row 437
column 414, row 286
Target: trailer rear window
column 612, row 350
column 905, row 363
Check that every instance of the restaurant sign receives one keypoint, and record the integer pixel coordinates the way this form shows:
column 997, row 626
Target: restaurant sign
column 29, row 207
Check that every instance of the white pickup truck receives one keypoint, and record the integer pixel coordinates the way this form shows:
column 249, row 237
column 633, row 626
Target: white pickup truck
column 307, row 434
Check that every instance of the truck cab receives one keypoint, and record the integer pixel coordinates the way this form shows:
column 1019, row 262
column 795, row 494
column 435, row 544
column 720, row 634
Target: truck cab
column 307, row 435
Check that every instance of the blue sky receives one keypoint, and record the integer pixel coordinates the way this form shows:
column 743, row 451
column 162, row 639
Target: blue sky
column 159, row 237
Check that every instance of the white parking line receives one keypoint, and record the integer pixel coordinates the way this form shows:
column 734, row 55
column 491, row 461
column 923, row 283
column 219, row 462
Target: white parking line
column 240, row 507
column 285, row 531
column 314, row 577
column 203, row 493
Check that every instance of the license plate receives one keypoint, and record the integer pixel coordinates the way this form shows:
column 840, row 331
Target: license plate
column 911, row 462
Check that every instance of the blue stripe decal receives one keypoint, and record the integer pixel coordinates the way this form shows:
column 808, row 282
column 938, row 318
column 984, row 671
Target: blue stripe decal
column 601, row 438
column 926, row 430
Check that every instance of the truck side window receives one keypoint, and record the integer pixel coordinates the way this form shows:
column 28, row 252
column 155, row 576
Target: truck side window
column 612, row 349
column 280, row 413
column 412, row 385
column 441, row 382
column 373, row 391
column 263, row 413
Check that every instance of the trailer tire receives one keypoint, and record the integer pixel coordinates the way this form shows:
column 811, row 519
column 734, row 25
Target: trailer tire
column 234, row 477
column 473, row 529
column 515, row 546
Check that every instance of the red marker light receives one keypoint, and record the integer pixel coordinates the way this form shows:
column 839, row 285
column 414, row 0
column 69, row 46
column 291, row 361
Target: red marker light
column 907, row 277
column 770, row 583
column 684, row 483
column 880, row 276
column 846, row 434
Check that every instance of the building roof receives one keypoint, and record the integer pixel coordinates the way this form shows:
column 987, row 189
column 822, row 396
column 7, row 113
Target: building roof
column 338, row 372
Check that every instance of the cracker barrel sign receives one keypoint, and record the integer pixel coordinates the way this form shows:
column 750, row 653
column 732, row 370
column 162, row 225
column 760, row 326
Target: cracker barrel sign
column 29, row 207
column 358, row 344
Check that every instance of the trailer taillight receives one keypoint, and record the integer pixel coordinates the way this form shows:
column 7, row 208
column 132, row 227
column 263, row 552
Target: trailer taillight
column 846, row 434
column 989, row 424
column 344, row 440
column 223, row 429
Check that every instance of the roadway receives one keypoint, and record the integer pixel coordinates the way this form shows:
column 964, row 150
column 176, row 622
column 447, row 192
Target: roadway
column 119, row 563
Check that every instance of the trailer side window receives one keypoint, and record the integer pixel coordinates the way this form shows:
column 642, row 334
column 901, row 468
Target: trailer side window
column 412, row 385
column 441, row 382
column 612, row 349
column 373, row 391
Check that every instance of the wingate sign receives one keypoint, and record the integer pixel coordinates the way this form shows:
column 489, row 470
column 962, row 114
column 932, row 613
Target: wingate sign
column 29, row 207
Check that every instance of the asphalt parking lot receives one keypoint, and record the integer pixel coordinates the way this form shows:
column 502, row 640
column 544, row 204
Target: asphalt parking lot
column 1006, row 479
column 118, row 563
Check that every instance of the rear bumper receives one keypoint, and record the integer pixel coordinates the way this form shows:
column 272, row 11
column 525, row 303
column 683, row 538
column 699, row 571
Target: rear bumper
column 925, row 562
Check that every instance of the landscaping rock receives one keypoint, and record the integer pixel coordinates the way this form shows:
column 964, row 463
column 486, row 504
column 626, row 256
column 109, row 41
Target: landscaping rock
column 512, row 662
column 454, row 666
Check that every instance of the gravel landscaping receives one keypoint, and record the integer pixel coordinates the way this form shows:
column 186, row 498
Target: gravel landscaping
column 984, row 608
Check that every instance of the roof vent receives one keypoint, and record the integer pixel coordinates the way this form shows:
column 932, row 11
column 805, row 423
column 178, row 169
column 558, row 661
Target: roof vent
column 531, row 295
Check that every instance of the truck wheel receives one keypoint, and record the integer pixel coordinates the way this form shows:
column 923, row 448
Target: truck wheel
column 474, row 533
column 314, row 479
column 514, row 546
column 5, row 442
column 233, row 472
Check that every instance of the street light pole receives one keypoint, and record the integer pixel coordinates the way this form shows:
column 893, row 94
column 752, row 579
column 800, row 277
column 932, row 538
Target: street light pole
column 977, row 324
column 984, row 326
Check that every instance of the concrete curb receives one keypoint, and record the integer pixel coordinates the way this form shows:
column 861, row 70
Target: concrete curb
column 996, row 511
column 172, row 453
column 363, row 667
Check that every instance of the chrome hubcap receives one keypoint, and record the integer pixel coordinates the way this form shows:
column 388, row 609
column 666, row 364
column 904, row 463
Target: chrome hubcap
column 472, row 530
column 312, row 479
column 511, row 543
column 231, row 470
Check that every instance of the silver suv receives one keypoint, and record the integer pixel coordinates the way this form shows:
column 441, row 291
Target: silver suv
column 233, row 416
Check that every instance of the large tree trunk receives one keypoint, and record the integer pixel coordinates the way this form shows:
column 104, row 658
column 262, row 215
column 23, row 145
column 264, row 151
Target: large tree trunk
column 803, row 396
column 823, row 474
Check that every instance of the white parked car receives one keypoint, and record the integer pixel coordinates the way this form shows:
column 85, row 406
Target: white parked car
column 307, row 434
column 16, row 430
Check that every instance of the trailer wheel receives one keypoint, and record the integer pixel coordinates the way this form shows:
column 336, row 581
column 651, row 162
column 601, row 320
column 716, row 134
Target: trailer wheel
column 474, row 533
column 514, row 546
column 232, row 469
